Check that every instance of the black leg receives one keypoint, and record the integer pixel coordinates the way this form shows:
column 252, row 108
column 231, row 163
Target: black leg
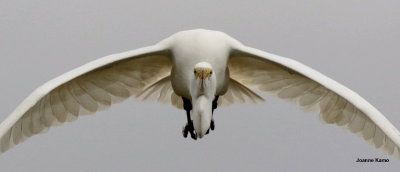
column 214, row 106
column 215, row 103
column 189, row 128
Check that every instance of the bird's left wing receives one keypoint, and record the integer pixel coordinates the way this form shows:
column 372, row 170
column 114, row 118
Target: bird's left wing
column 237, row 93
column 84, row 90
column 291, row 80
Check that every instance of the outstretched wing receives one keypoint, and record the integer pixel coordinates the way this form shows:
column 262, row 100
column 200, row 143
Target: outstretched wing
column 336, row 104
column 237, row 93
column 161, row 91
column 84, row 90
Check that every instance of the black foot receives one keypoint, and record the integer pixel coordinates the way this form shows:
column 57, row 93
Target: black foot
column 189, row 129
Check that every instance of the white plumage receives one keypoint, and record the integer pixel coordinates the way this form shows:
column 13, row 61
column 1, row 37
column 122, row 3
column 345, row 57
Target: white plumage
column 164, row 73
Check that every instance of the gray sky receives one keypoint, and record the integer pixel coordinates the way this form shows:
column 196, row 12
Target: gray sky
column 355, row 42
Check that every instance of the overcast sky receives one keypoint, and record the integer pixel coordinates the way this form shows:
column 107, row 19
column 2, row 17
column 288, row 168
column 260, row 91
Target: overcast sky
column 355, row 42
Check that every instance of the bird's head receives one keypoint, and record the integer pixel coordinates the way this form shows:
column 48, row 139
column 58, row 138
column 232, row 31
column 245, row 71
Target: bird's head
column 203, row 73
column 203, row 70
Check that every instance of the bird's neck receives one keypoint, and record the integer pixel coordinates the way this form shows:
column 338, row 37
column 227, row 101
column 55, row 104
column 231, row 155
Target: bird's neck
column 206, row 87
column 202, row 94
column 201, row 114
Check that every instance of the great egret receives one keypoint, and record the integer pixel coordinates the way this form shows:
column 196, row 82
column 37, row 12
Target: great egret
column 195, row 70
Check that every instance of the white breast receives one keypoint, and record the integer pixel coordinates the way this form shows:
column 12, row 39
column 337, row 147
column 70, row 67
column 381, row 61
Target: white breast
column 190, row 48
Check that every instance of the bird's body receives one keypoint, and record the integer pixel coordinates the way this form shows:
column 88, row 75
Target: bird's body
column 195, row 46
column 189, row 48
column 195, row 70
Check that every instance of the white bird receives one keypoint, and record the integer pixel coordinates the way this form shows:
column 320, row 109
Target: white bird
column 196, row 70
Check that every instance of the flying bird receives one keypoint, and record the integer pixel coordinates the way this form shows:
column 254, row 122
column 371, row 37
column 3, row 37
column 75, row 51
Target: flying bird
column 197, row 71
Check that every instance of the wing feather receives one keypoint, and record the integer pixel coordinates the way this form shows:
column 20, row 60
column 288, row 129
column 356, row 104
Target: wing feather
column 238, row 94
column 162, row 92
column 293, row 81
column 85, row 90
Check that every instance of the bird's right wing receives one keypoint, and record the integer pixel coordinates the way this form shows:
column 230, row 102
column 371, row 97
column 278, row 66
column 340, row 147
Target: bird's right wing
column 84, row 90
column 161, row 91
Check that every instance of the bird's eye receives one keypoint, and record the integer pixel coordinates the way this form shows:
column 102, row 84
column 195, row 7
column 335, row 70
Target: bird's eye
column 195, row 72
column 210, row 72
